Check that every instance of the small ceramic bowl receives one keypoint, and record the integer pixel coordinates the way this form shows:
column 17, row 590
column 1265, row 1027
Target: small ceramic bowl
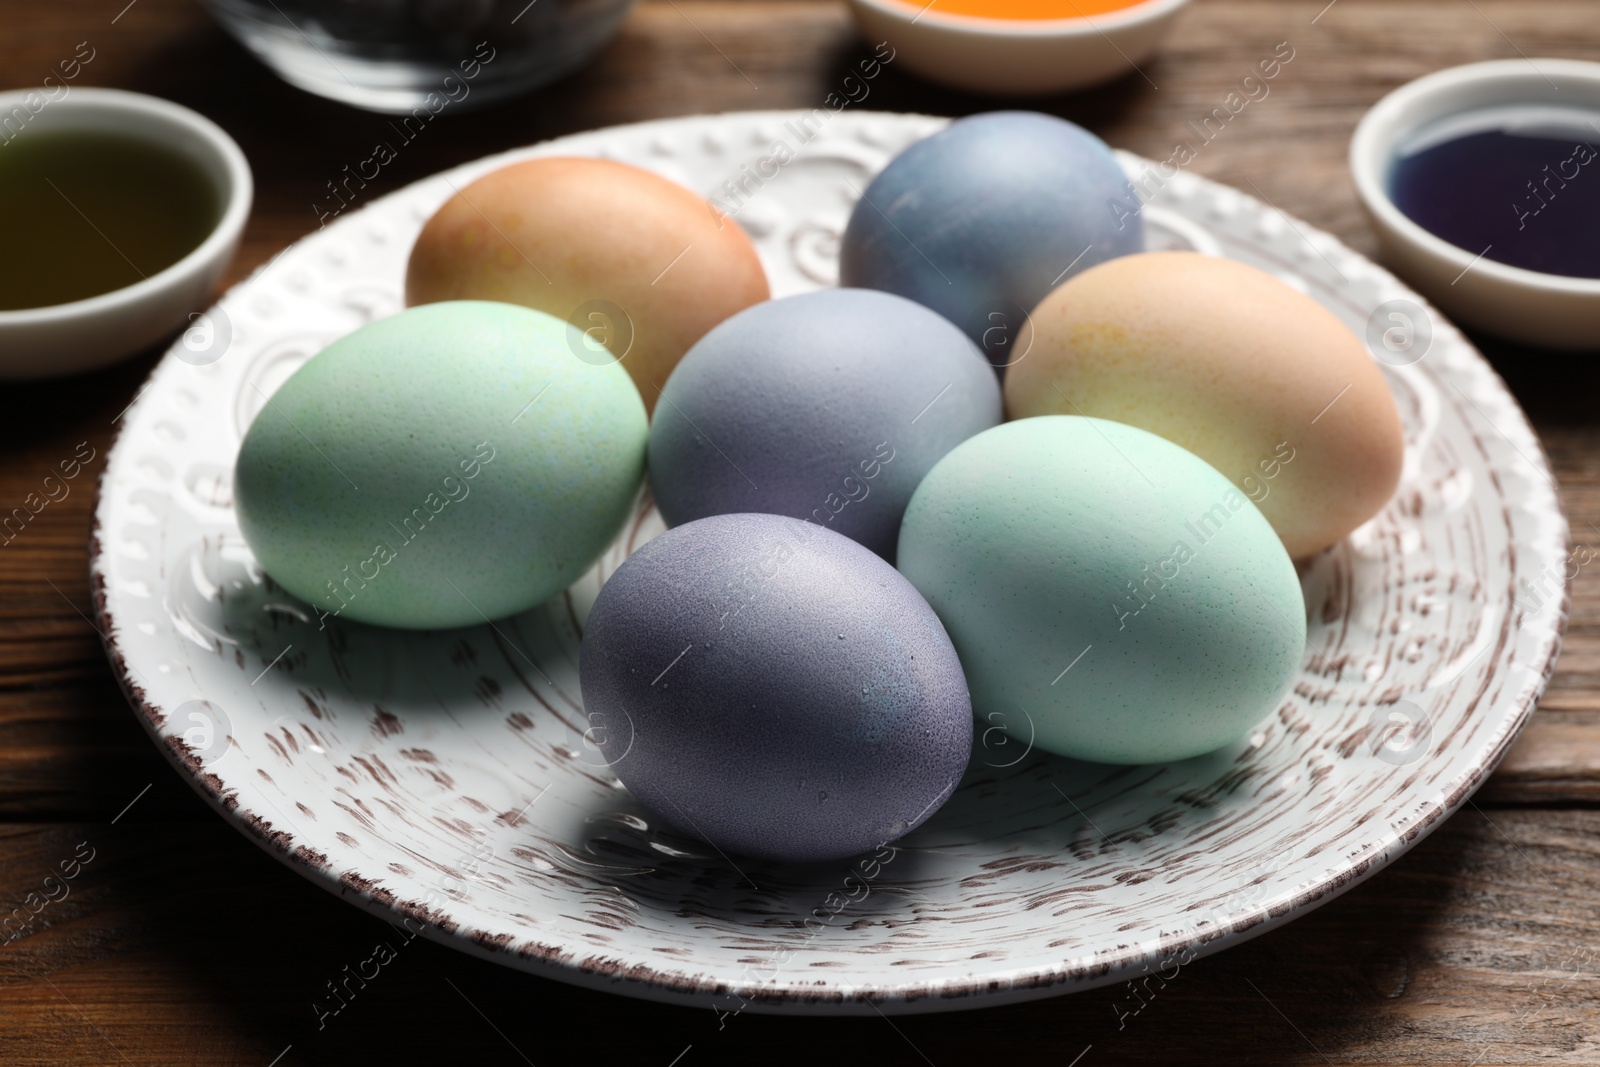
column 1016, row 57
column 84, row 334
column 1550, row 310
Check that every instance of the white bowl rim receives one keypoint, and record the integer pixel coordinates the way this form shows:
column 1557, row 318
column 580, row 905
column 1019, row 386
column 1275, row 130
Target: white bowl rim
column 226, row 230
column 1370, row 154
column 1136, row 14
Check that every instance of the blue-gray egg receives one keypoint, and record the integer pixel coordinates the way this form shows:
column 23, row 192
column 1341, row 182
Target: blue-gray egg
column 775, row 689
column 828, row 407
column 981, row 220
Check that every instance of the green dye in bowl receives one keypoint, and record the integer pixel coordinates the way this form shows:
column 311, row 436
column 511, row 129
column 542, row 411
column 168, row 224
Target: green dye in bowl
column 84, row 212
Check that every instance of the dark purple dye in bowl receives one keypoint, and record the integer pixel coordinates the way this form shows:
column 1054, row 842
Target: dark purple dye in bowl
column 1519, row 185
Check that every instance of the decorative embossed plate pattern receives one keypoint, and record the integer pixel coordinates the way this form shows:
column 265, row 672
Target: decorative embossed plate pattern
column 446, row 777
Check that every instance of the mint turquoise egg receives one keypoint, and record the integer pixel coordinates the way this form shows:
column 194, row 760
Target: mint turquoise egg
column 448, row 465
column 1113, row 596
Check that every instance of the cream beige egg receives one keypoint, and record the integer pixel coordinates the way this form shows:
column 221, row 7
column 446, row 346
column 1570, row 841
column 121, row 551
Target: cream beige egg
column 641, row 265
column 1241, row 369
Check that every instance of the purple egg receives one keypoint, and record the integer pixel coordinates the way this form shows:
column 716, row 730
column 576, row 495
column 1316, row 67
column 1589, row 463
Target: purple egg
column 775, row 689
column 983, row 219
column 829, row 406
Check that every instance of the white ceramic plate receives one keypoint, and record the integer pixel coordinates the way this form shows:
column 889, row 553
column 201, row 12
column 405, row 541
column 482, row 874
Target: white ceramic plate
column 444, row 778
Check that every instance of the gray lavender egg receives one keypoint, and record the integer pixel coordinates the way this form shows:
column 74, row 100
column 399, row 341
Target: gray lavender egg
column 828, row 407
column 981, row 220
column 775, row 689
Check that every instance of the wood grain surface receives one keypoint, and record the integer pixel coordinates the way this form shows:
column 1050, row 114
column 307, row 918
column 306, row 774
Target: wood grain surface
column 179, row 942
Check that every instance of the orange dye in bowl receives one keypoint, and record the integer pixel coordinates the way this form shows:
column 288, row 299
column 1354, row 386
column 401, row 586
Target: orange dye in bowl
column 1028, row 9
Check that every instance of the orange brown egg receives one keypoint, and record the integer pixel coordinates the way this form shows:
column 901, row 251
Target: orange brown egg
column 641, row 265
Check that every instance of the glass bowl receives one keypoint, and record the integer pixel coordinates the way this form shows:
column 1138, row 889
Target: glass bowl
column 408, row 56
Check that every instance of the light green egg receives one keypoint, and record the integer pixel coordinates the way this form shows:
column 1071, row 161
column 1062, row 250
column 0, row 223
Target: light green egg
column 1112, row 596
column 451, row 464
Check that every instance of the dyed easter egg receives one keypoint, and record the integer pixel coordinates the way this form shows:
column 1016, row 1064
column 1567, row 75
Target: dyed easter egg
column 642, row 266
column 829, row 406
column 775, row 689
column 982, row 219
column 444, row 466
column 1249, row 374
column 1112, row 597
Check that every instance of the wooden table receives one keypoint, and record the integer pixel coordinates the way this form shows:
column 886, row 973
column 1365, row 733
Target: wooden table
column 182, row 943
